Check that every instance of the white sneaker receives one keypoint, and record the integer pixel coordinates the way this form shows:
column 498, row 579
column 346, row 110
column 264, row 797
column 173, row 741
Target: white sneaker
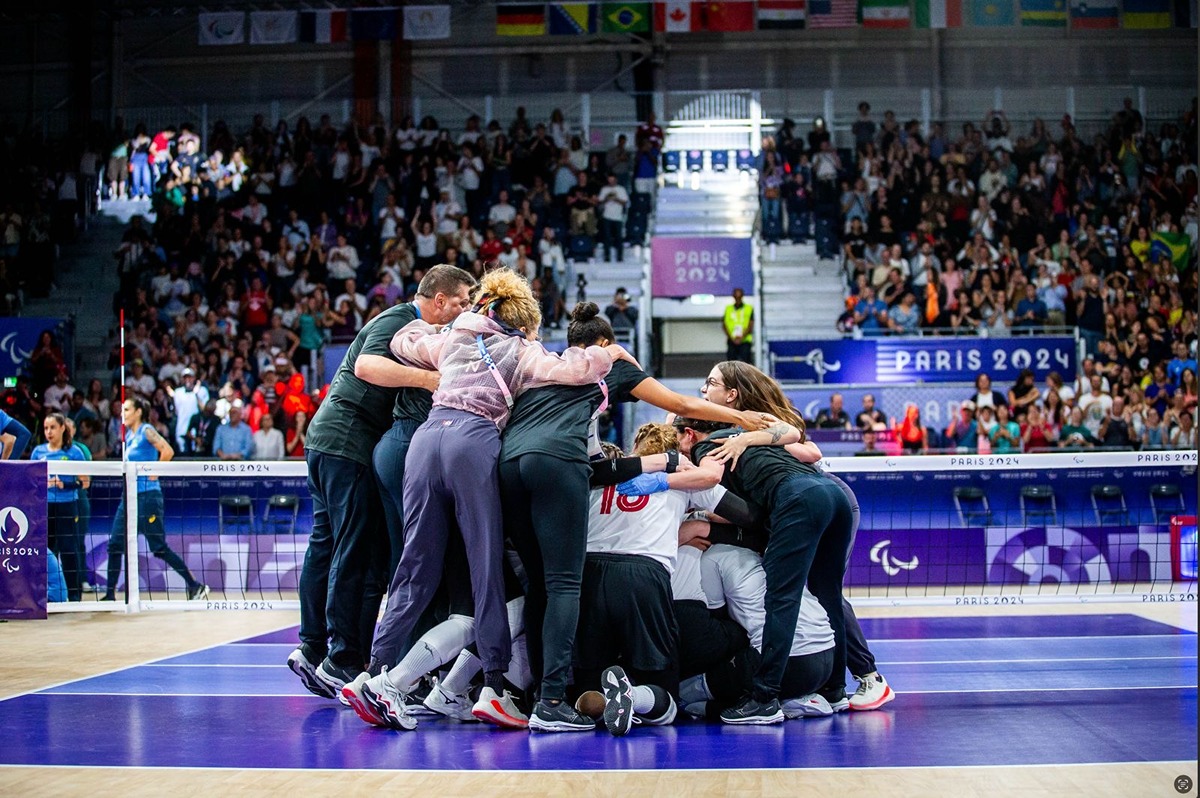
column 809, row 706
column 873, row 692
column 378, row 702
column 500, row 710
column 452, row 705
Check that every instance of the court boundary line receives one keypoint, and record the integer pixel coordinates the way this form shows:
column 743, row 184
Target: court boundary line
column 593, row 772
column 111, row 671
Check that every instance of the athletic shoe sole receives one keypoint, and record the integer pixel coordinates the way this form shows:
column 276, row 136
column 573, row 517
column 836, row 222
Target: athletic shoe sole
column 841, row 705
column 887, row 696
column 756, row 720
column 361, row 708
column 550, row 726
column 618, row 701
column 493, row 712
column 378, row 707
column 308, row 675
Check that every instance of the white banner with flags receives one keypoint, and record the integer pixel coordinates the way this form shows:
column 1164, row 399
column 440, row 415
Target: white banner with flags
column 222, row 27
column 274, row 27
column 426, row 22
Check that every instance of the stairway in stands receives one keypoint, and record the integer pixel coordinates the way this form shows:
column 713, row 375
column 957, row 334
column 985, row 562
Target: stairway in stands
column 801, row 296
column 86, row 278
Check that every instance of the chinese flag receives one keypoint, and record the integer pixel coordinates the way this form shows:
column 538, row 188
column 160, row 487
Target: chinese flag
column 727, row 16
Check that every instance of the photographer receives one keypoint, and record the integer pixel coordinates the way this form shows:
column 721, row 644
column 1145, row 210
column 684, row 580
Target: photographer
column 622, row 315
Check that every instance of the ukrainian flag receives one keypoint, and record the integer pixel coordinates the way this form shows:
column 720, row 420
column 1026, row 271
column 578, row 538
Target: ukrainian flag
column 1147, row 13
column 1044, row 13
column 1176, row 246
column 571, row 19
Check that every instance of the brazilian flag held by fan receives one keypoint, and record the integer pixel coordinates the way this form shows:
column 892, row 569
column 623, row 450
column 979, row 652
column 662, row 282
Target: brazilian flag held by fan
column 1175, row 247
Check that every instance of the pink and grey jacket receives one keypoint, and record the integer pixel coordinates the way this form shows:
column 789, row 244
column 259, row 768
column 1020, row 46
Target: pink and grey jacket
column 467, row 383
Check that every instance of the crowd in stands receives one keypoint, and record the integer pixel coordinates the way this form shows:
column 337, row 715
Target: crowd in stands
column 1105, row 407
column 270, row 244
column 995, row 231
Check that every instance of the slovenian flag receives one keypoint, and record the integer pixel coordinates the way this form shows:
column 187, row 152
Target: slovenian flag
column 1094, row 14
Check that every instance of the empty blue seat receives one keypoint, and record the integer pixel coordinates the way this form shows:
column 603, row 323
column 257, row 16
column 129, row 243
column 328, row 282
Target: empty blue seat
column 670, row 161
column 719, row 160
column 745, row 161
column 695, row 160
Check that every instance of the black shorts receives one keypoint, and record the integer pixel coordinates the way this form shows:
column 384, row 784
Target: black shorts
column 625, row 614
column 705, row 640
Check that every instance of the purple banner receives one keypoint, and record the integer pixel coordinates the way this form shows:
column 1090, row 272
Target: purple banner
column 700, row 265
column 19, row 337
column 917, row 557
column 920, row 360
column 23, row 548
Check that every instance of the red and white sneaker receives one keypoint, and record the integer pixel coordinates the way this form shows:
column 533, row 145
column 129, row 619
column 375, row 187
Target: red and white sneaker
column 499, row 710
column 873, row 692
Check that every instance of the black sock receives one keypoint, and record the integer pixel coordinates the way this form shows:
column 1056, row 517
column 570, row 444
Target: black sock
column 494, row 680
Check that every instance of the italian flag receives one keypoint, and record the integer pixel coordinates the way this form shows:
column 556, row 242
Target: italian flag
column 938, row 13
column 884, row 13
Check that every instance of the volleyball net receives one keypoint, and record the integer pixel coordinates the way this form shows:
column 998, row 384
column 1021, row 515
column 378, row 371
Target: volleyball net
column 950, row 529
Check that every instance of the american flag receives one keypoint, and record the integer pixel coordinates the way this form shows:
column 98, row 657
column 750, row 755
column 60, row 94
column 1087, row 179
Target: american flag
column 832, row 13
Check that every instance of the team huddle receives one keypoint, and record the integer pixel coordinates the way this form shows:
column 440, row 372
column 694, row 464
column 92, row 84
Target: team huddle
column 541, row 579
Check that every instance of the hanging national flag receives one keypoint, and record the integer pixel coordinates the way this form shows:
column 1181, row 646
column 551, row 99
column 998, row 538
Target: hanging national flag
column 625, row 17
column 780, row 14
column 222, row 27
column 938, row 14
column 1044, row 13
column 521, row 19
column 1094, row 14
column 727, row 17
column 1147, row 14
column 991, row 13
column 571, row 19
column 323, row 27
column 422, row 23
column 884, row 13
column 373, row 24
column 1176, row 247
column 832, row 13
column 676, row 16
column 274, row 27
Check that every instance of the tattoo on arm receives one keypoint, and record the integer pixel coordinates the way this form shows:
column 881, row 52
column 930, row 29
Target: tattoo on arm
column 777, row 431
column 152, row 434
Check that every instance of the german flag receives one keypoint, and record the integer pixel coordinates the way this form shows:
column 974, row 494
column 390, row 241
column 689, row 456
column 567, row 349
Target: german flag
column 521, row 19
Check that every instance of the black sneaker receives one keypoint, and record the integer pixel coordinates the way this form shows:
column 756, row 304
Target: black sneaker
column 303, row 662
column 618, row 701
column 752, row 712
column 560, row 717
column 197, row 592
column 335, row 677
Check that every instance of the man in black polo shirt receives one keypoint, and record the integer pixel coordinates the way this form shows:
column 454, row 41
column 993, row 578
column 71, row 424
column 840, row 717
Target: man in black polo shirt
column 336, row 623
column 834, row 416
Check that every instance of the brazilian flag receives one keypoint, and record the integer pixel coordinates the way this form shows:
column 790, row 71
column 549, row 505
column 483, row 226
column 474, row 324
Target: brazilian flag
column 1176, row 247
column 625, row 18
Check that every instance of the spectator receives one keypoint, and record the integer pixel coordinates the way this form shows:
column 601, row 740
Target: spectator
column 984, row 396
column 139, row 382
column 870, row 314
column 234, row 441
column 1095, row 405
column 188, row 399
column 202, row 431
column 1074, row 434
column 1037, row 431
column 57, row 398
column 870, row 449
column 622, row 315
column 870, row 416
column 1023, row 395
column 1115, row 429
column 904, row 318
column 1183, row 436
column 1005, row 436
column 912, row 434
column 1031, row 311
column 267, row 442
column 834, row 416
column 613, row 200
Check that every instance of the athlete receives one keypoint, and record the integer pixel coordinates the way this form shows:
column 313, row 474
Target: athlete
column 544, row 478
column 14, row 437
column 62, row 497
column 144, row 444
column 343, row 574
column 487, row 359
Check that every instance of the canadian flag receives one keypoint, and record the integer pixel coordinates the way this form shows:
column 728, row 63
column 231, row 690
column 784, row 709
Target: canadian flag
column 675, row 16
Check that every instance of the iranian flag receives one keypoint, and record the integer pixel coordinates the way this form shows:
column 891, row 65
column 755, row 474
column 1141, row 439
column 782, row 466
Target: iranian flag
column 884, row 13
column 938, row 14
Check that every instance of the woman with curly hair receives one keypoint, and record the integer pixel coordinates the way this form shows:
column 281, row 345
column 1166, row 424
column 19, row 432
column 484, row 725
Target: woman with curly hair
column 487, row 358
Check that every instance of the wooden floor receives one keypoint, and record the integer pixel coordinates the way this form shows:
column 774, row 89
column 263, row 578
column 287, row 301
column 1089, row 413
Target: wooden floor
column 73, row 646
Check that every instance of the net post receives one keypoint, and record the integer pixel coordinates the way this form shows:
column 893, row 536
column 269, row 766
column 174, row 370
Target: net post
column 132, row 577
